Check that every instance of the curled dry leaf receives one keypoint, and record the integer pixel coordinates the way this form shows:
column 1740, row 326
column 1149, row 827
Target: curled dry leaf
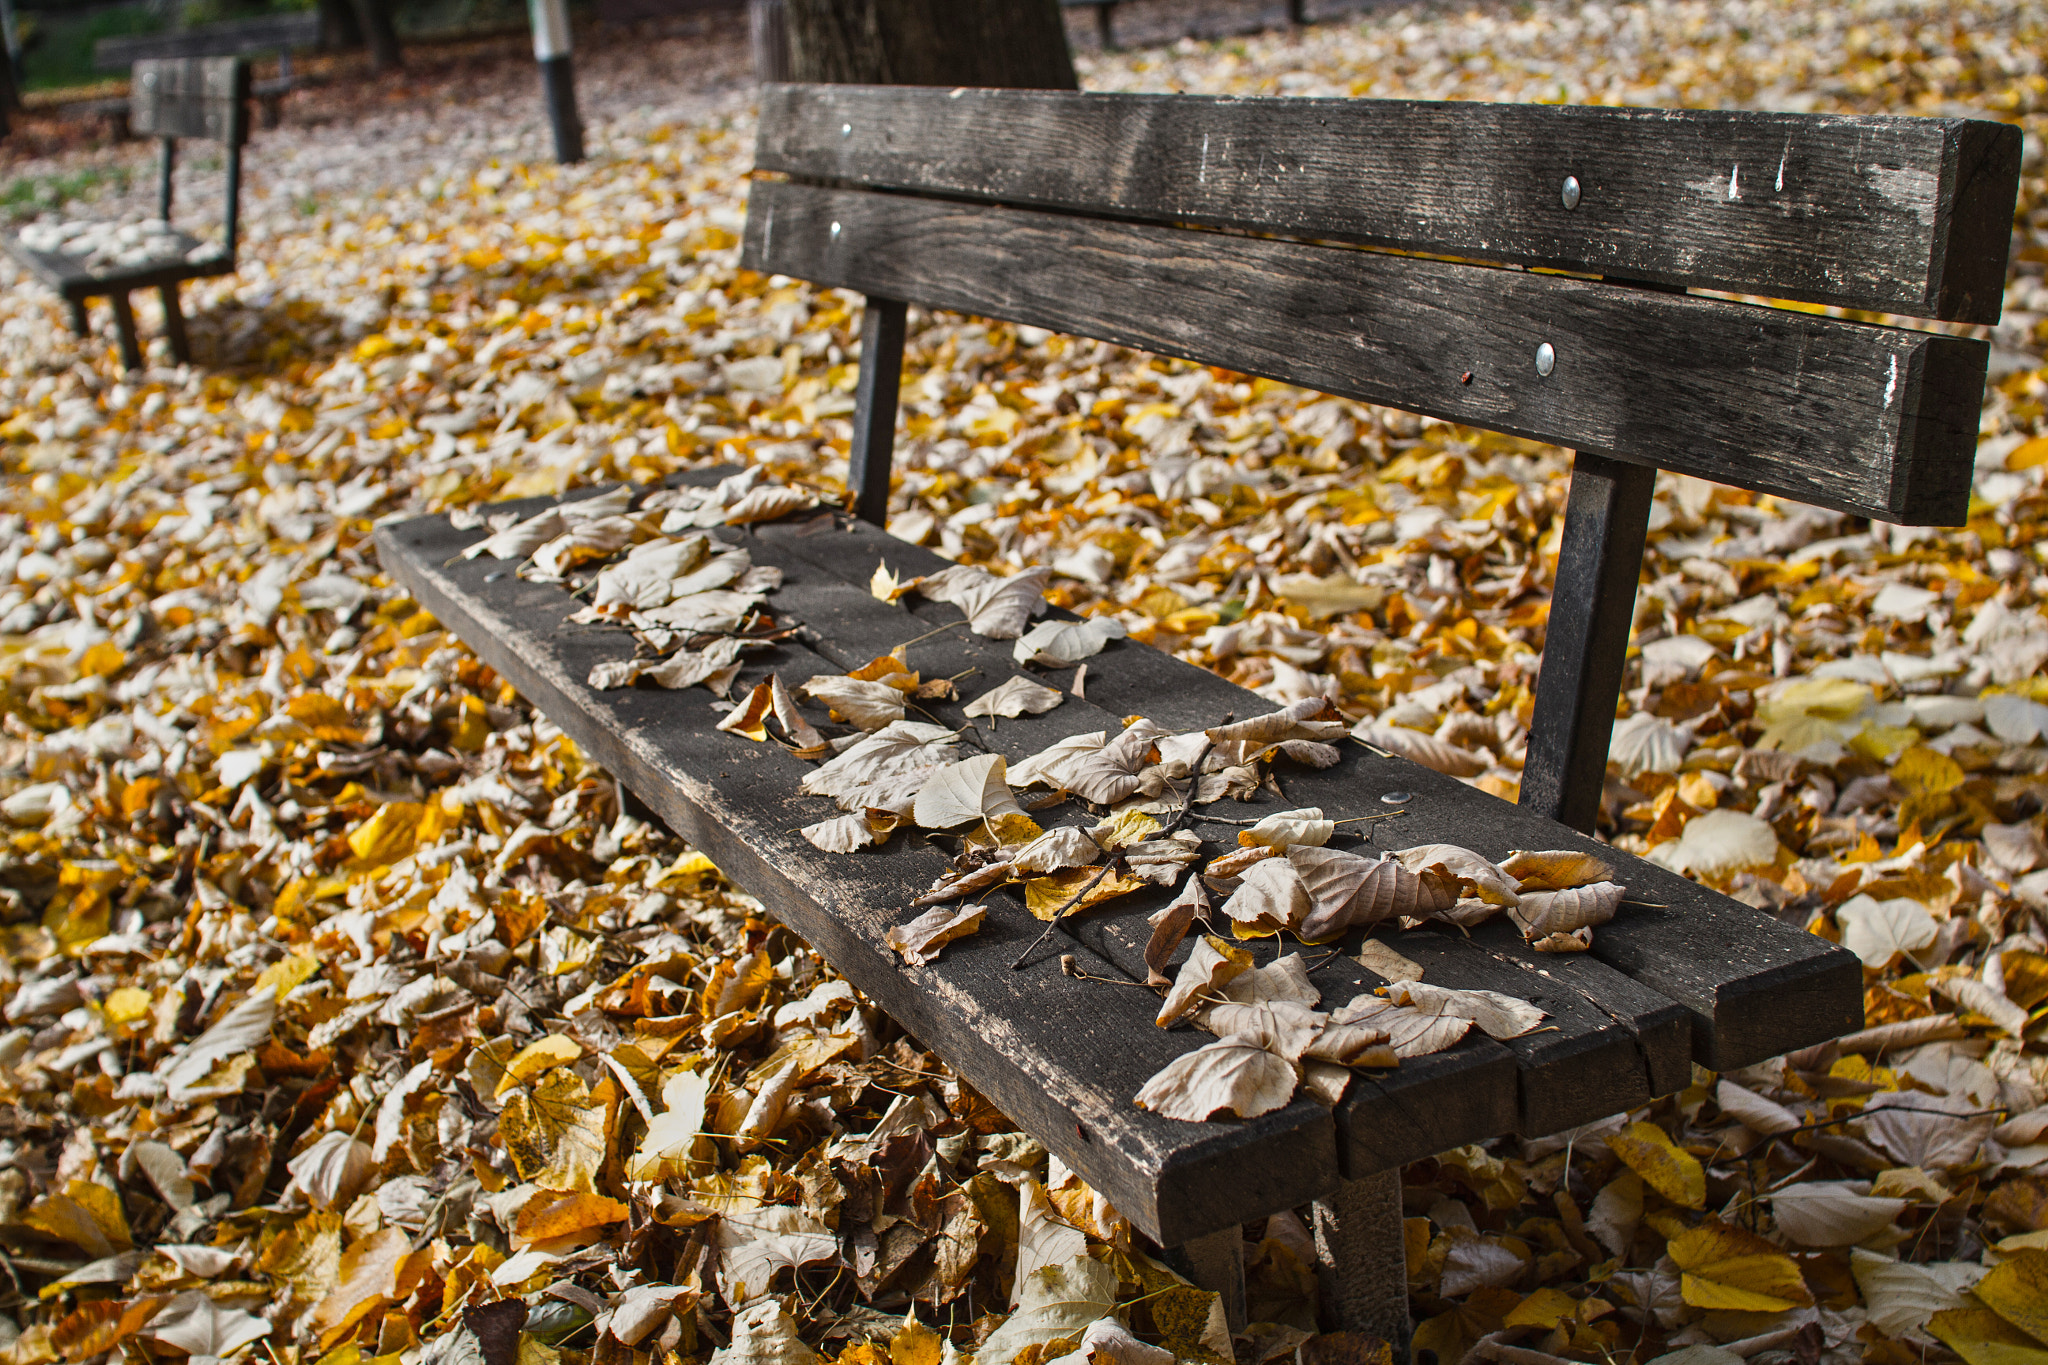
column 998, row 608
column 1555, row 870
column 1313, row 718
column 1059, row 644
column 920, row 940
column 1475, row 876
column 1224, row 870
column 1289, row 827
column 1018, row 696
column 767, row 503
column 1056, row 850
column 867, row 705
column 1240, row 1075
column 1270, row 897
column 1212, row 963
column 1500, row 1016
column 1170, row 924
column 1410, row 1032
column 852, row 832
column 1417, row 747
column 973, row 789
column 802, row 735
column 1543, row 913
column 1379, row 957
column 749, row 718
column 1354, row 892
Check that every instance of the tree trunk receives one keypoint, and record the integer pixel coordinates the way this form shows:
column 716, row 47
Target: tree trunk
column 339, row 31
column 1016, row 43
column 374, row 17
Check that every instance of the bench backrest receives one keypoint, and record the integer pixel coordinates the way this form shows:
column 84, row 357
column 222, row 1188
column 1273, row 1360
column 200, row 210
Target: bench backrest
column 194, row 97
column 1529, row 275
column 280, row 33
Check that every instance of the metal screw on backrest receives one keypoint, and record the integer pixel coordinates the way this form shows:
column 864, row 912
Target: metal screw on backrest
column 1546, row 360
column 835, row 232
column 846, row 130
column 1571, row 192
column 1397, row 798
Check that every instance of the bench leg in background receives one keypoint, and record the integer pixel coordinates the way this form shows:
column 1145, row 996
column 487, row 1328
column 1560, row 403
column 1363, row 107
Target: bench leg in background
column 174, row 324
column 1216, row 1263
column 1584, row 651
column 1103, row 28
column 1361, row 1264
column 124, row 326
column 874, row 409
column 81, row 325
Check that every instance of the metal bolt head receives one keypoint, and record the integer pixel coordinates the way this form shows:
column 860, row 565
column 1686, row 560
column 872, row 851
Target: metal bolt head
column 835, row 232
column 1397, row 798
column 846, row 130
column 1546, row 360
column 1571, row 192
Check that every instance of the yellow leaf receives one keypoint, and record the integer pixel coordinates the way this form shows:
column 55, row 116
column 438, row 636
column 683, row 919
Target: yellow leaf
column 555, row 1135
column 1729, row 1268
column 551, row 1215
column 388, row 835
column 1668, row 1169
column 86, row 1215
column 126, row 1005
column 103, row 660
column 367, row 1278
column 2028, row 454
column 2018, row 1292
column 1924, row 772
column 286, row 974
column 914, row 1343
column 543, row 1054
column 1982, row 1337
column 471, row 728
column 1043, row 896
column 1545, row 1308
column 327, row 718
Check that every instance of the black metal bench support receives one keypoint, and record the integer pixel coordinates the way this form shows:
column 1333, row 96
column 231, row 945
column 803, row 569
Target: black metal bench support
column 174, row 324
column 124, row 327
column 1585, row 644
column 874, row 411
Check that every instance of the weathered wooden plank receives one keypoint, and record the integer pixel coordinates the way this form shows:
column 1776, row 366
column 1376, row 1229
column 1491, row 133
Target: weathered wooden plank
column 191, row 97
column 1875, row 421
column 1061, row 1057
column 1585, row 649
column 1903, row 215
column 1754, row 988
column 71, row 277
column 1587, row 1063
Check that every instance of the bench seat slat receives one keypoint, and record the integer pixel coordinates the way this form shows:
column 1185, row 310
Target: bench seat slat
column 1903, row 215
column 1061, row 1057
column 1587, row 1065
column 73, row 279
column 1754, row 988
column 1874, row 421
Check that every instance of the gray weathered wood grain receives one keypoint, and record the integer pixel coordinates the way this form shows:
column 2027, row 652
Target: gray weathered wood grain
column 1871, row 420
column 1062, row 1057
column 1754, row 988
column 1904, row 215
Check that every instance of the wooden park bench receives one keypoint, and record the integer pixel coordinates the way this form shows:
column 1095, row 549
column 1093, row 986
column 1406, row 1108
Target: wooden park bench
column 282, row 34
column 188, row 97
column 1539, row 287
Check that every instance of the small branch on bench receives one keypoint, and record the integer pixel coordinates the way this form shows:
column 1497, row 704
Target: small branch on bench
column 1186, row 807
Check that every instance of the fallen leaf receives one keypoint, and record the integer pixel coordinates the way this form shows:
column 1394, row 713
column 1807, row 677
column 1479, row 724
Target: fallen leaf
column 1209, row 965
column 1018, row 696
column 1059, row 644
column 920, row 940
column 1728, row 1268
column 1665, row 1167
column 1240, row 1075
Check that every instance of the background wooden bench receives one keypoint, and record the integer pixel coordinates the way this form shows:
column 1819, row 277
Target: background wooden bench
column 282, row 34
column 204, row 97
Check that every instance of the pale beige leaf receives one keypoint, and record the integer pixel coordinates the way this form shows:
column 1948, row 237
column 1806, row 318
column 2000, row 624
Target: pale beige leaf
column 1831, row 1213
column 866, row 705
column 1417, row 747
column 1881, row 931
column 1056, row 850
column 1170, row 925
column 972, row 789
column 1410, row 1032
column 1754, row 1111
column 1056, row 644
column 1543, row 913
column 1212, row 963
column 1270, row 897
column 1311, row 718
column 920, row 940
column 1379, row 957
column 674, row 1136
column 1476, row 876
column 1500, row 1016
column 1017, row 697
column 1239, row 1075
column 1055, row 1301
column 998, row 608
column 841, row 834
column 1289, row 827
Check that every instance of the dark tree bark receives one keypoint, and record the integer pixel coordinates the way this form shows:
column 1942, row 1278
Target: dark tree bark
column 1017, row 43
column 374, row 19
column 339, row 31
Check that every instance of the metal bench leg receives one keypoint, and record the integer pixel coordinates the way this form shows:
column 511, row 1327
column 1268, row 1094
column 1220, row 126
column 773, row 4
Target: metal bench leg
column 1216, row 1263
column 1361, row 1264
column 124, row 325
column 174, row 324
column 1102, row 25
column 1599, row 562
column 81, row 325
column 874, row 410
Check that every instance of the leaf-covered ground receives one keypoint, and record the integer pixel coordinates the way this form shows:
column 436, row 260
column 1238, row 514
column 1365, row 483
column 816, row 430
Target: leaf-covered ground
column 342, row 1000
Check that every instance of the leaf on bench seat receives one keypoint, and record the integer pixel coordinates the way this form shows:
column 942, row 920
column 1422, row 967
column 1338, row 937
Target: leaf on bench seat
column 1501, row 1016
column 972, row 789
column 1288, row 828
column 1242, row 1074
column 1212, row 963
column 1056, row 644
column 868, row 705
column 1019, row 696
column 998, row 608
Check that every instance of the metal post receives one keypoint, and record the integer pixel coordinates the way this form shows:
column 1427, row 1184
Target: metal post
column 1361, row 1262
column 1585, row 647
column 557, row 77
column 874, row 409
column 163, row 187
